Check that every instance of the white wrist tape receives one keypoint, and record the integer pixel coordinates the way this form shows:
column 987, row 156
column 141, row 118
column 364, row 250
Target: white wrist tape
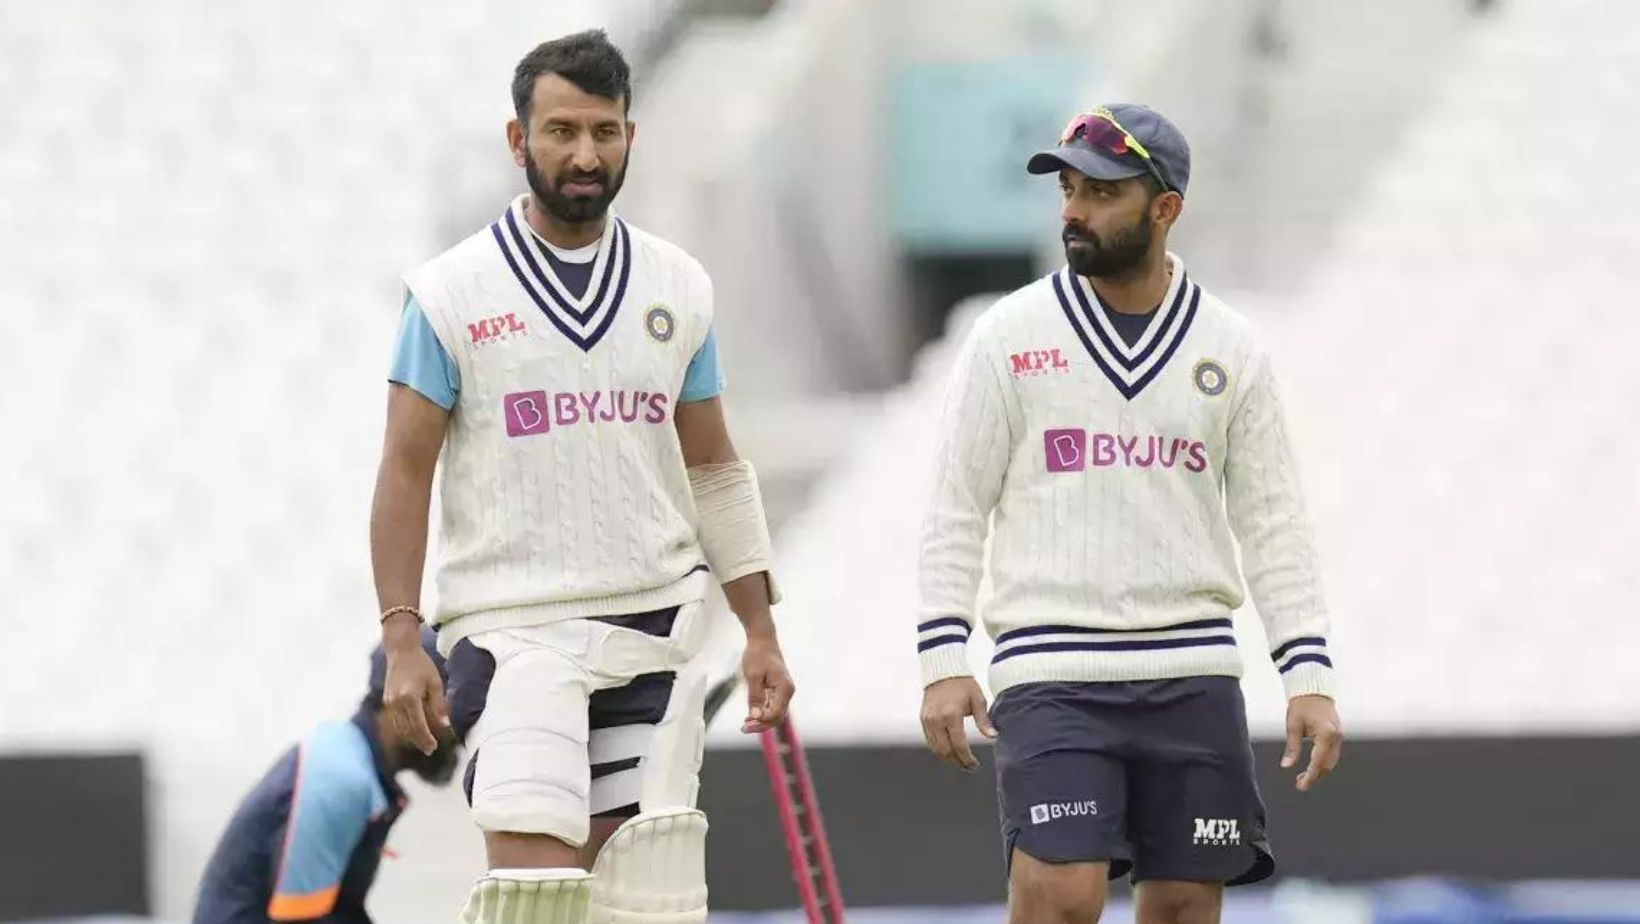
column 734, row 533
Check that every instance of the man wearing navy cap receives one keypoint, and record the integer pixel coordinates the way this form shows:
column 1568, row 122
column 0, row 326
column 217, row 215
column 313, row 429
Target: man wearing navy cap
column 1116, row 432
column 304, row 844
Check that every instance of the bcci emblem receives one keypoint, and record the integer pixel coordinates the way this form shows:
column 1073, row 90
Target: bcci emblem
column 659, row 323
column 1211, row 379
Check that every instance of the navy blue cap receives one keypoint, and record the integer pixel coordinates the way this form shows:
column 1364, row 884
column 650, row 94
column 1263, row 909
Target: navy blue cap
column 1168, row 151
column 378, row 666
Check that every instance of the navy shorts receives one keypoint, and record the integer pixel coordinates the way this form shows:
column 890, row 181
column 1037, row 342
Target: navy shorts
column 1154, row 776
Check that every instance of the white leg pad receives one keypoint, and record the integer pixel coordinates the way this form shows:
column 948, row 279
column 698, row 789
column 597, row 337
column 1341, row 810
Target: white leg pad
column 530, row 896
column 652, row 870
column 671, row 769
column 530, row 743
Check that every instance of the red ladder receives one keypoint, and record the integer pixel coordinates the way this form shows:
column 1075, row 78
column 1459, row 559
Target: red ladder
column 800, row 820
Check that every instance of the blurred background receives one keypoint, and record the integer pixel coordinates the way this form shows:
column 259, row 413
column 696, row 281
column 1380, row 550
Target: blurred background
column 1427, row 206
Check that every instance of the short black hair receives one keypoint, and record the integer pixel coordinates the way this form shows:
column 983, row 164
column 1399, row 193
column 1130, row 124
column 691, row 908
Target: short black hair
column 587, row 59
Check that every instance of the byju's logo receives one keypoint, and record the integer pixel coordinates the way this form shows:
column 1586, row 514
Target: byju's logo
column 532, row 412
column 1075, row 450
column 526, row 413
column 1044, row 812
column 1066, row 450
column 1217, row 832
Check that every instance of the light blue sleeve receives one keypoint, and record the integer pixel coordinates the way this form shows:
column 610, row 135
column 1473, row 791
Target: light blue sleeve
column 704, row 379
column 336, row 796
column 420, row 361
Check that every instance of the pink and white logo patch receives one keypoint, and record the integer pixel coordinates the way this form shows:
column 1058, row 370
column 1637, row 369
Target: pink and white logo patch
column 1076, row 450
column 532, row 412
column 526, row 413
column 1066, row 449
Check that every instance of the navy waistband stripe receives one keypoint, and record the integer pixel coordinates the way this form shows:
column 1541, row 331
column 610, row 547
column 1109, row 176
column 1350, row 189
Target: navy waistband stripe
column 1121, row 645
column 1028, row 632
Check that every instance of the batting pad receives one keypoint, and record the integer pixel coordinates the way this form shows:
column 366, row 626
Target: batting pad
column 652, row 870
column 530, row 896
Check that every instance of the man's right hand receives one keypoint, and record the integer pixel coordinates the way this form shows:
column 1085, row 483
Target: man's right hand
column 413, row 696
column 945, row 704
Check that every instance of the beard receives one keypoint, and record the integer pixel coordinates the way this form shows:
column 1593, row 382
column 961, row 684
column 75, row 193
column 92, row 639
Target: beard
column 1090, row 256
column 573, row 209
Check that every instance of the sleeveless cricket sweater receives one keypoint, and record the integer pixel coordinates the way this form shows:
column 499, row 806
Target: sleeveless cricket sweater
column 563, row 489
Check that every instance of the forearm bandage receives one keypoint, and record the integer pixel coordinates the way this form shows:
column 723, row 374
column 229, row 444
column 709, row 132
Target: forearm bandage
column 734, row 533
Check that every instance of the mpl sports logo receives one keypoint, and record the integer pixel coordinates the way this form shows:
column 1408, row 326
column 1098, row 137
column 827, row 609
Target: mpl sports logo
column 531, row 412
column 1217, row 832
column 1036, row 362
column 489, row 330
column 1044, row 812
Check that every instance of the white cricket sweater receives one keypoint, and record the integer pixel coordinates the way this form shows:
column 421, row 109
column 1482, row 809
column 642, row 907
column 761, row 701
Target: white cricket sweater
column 564, row 490
column 1111, row 478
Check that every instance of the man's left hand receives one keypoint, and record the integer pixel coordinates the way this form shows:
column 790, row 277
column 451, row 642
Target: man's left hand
column 1314, row 718
column 769, row 687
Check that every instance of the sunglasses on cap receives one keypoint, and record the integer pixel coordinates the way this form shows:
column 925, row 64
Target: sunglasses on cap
column 1099, row 129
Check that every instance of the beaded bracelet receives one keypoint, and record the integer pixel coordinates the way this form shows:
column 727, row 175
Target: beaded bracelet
column 392, row 611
